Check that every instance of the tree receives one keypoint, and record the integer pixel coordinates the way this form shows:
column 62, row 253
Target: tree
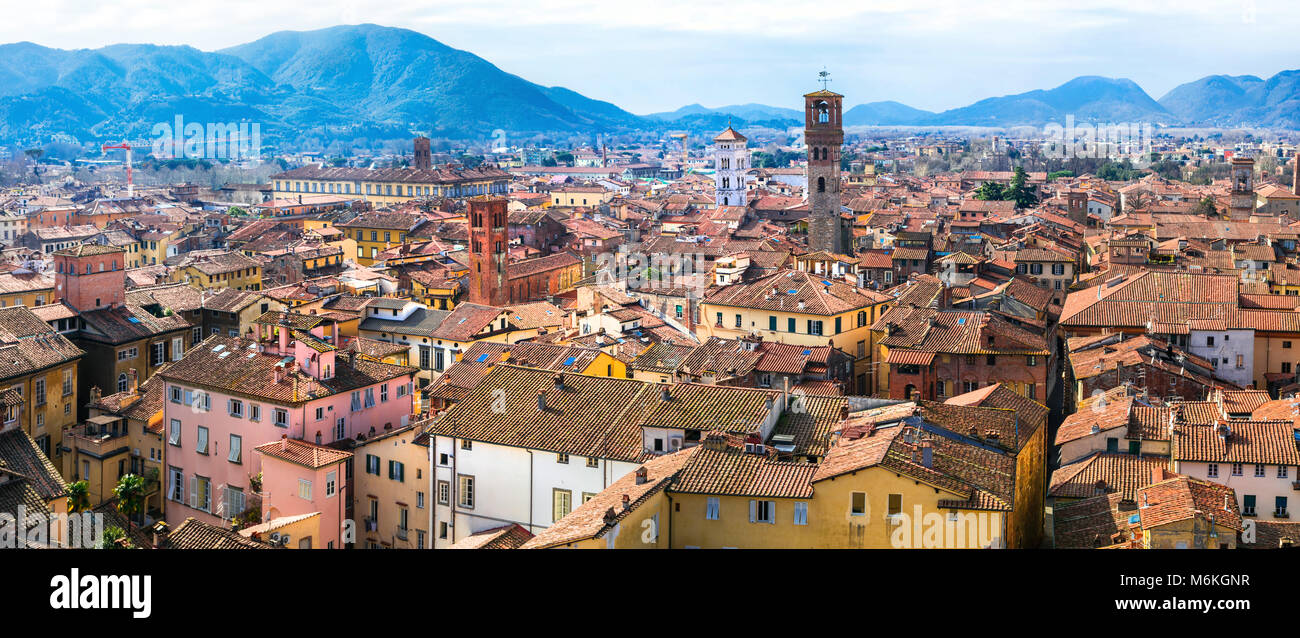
column 130, row 492
column 1206, row 207
column 1136, row 201
column 115, row 538
column 990, row 192
column 35, row 155
column 1020, row 192
column 78, row 497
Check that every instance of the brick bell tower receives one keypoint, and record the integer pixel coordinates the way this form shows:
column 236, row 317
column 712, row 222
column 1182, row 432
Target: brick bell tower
column 824, row 135
column 488, row 238
column 90, row 276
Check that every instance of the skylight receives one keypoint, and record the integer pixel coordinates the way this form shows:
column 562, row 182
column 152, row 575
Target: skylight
column 483, row 357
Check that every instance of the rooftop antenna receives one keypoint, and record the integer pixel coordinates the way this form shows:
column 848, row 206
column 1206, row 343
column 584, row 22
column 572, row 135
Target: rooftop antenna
column 824, row 77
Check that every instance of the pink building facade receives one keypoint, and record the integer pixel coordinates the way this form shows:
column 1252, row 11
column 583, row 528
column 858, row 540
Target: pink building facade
column 229, row 395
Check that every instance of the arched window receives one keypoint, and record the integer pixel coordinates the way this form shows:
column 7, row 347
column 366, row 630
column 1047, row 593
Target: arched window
column 121, row 382
column 821, row 184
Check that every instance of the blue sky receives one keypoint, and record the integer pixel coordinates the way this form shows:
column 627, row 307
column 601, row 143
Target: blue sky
column 655, row 56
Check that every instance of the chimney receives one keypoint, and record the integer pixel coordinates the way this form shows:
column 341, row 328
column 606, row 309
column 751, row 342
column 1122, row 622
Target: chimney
column 541, row 401
column 1159, row 474
column 642, row 475
column 665, row 393
column 559, row 381
column 95, row 394
column 284, row 442
column 627, row 501
column 133, row 381
column 927, row 454
column 610, row 516
column 159, row 535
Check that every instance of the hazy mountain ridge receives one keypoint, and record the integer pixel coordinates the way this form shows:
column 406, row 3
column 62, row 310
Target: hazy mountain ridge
column 346, row 79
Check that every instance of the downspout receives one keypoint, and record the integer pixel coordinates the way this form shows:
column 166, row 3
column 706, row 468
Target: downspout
column 530, row 491
column 433, row 442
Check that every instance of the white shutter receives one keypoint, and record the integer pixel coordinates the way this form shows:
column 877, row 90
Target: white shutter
column 194, row 492
column 771, row 512
column 753, row 507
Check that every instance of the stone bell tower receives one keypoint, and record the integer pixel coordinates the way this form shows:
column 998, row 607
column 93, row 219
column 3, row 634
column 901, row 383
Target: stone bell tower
column 731, row 153
column 824, row 135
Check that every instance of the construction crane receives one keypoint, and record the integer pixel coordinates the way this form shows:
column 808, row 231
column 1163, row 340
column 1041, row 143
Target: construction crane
column 124, row 146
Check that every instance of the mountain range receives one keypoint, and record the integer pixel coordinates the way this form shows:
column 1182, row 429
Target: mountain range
column 370, row 81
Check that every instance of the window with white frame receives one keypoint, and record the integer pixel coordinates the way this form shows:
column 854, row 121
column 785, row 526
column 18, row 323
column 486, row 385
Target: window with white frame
column 281, row 418
column 201, row 440
column 761, row 511
column 330, row 478
column 711, row 508
column 236, row 408
column 236, row 451
column 178, row 348
column 174, row 432
column 801, row 513
column 176, row 484
column 304, row 489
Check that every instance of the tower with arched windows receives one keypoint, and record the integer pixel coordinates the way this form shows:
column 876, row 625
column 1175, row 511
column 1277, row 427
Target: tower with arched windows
column 824, row 135
column 731, row 153
column 488, row 240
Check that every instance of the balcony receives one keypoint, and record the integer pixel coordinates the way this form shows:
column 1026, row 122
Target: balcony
column 402, row 533
column 101, row 435
column 372, row 525
column 1281, row 514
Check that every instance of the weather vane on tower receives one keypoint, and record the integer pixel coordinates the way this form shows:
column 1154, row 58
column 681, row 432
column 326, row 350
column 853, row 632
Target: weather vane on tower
column 824, row 77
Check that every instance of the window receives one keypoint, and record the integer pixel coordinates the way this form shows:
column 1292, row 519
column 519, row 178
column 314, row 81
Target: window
column 201, row 441
column 38, row 392
column 254, row 412
column 1031, row 360
column 383, row 393
column 158, row 353
column 561, row 503
column 236, row 408
column 711, row 508
column 1279, row 505
column 561, row 458
column 127, row 353
column 397, row 471
column 174, row 434
column 330, row 480
column 304, row 489
column 201, row 493
column 1259, row 469
column 739, row 321
column 281, row 417
column 178, row 348
column 1212, row 470
column 67, row 383
column 895, row 504
column 859, row 504
column 356, row 401
column 419, row 500
column 593, row 461
column 176, row 489
column 444, row 492
column 1281, row 471
column 372, row 464
column 466, row 491
column 801, row 513
column 176, row 395
column 1248, row 505
column 1236, row 469
column 236, row 449
column 466, row 444
column 340, row 429
column 762, row 511
column 789, row 324
column 1209, row 341
column 1286, row 344
column 814, row 327
column 370, row 397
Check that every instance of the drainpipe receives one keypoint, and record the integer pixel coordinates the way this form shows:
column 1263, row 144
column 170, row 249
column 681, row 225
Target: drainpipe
column 530, row 491
column 432, row 502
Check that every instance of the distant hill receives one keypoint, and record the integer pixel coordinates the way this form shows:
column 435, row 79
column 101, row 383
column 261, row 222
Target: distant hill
column 746, row 112
column 888, row 113
column 373, row 82
column 1088, row 98
column 1244, row 100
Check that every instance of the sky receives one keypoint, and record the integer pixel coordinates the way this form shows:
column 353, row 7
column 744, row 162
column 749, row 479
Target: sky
column 658, row 56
